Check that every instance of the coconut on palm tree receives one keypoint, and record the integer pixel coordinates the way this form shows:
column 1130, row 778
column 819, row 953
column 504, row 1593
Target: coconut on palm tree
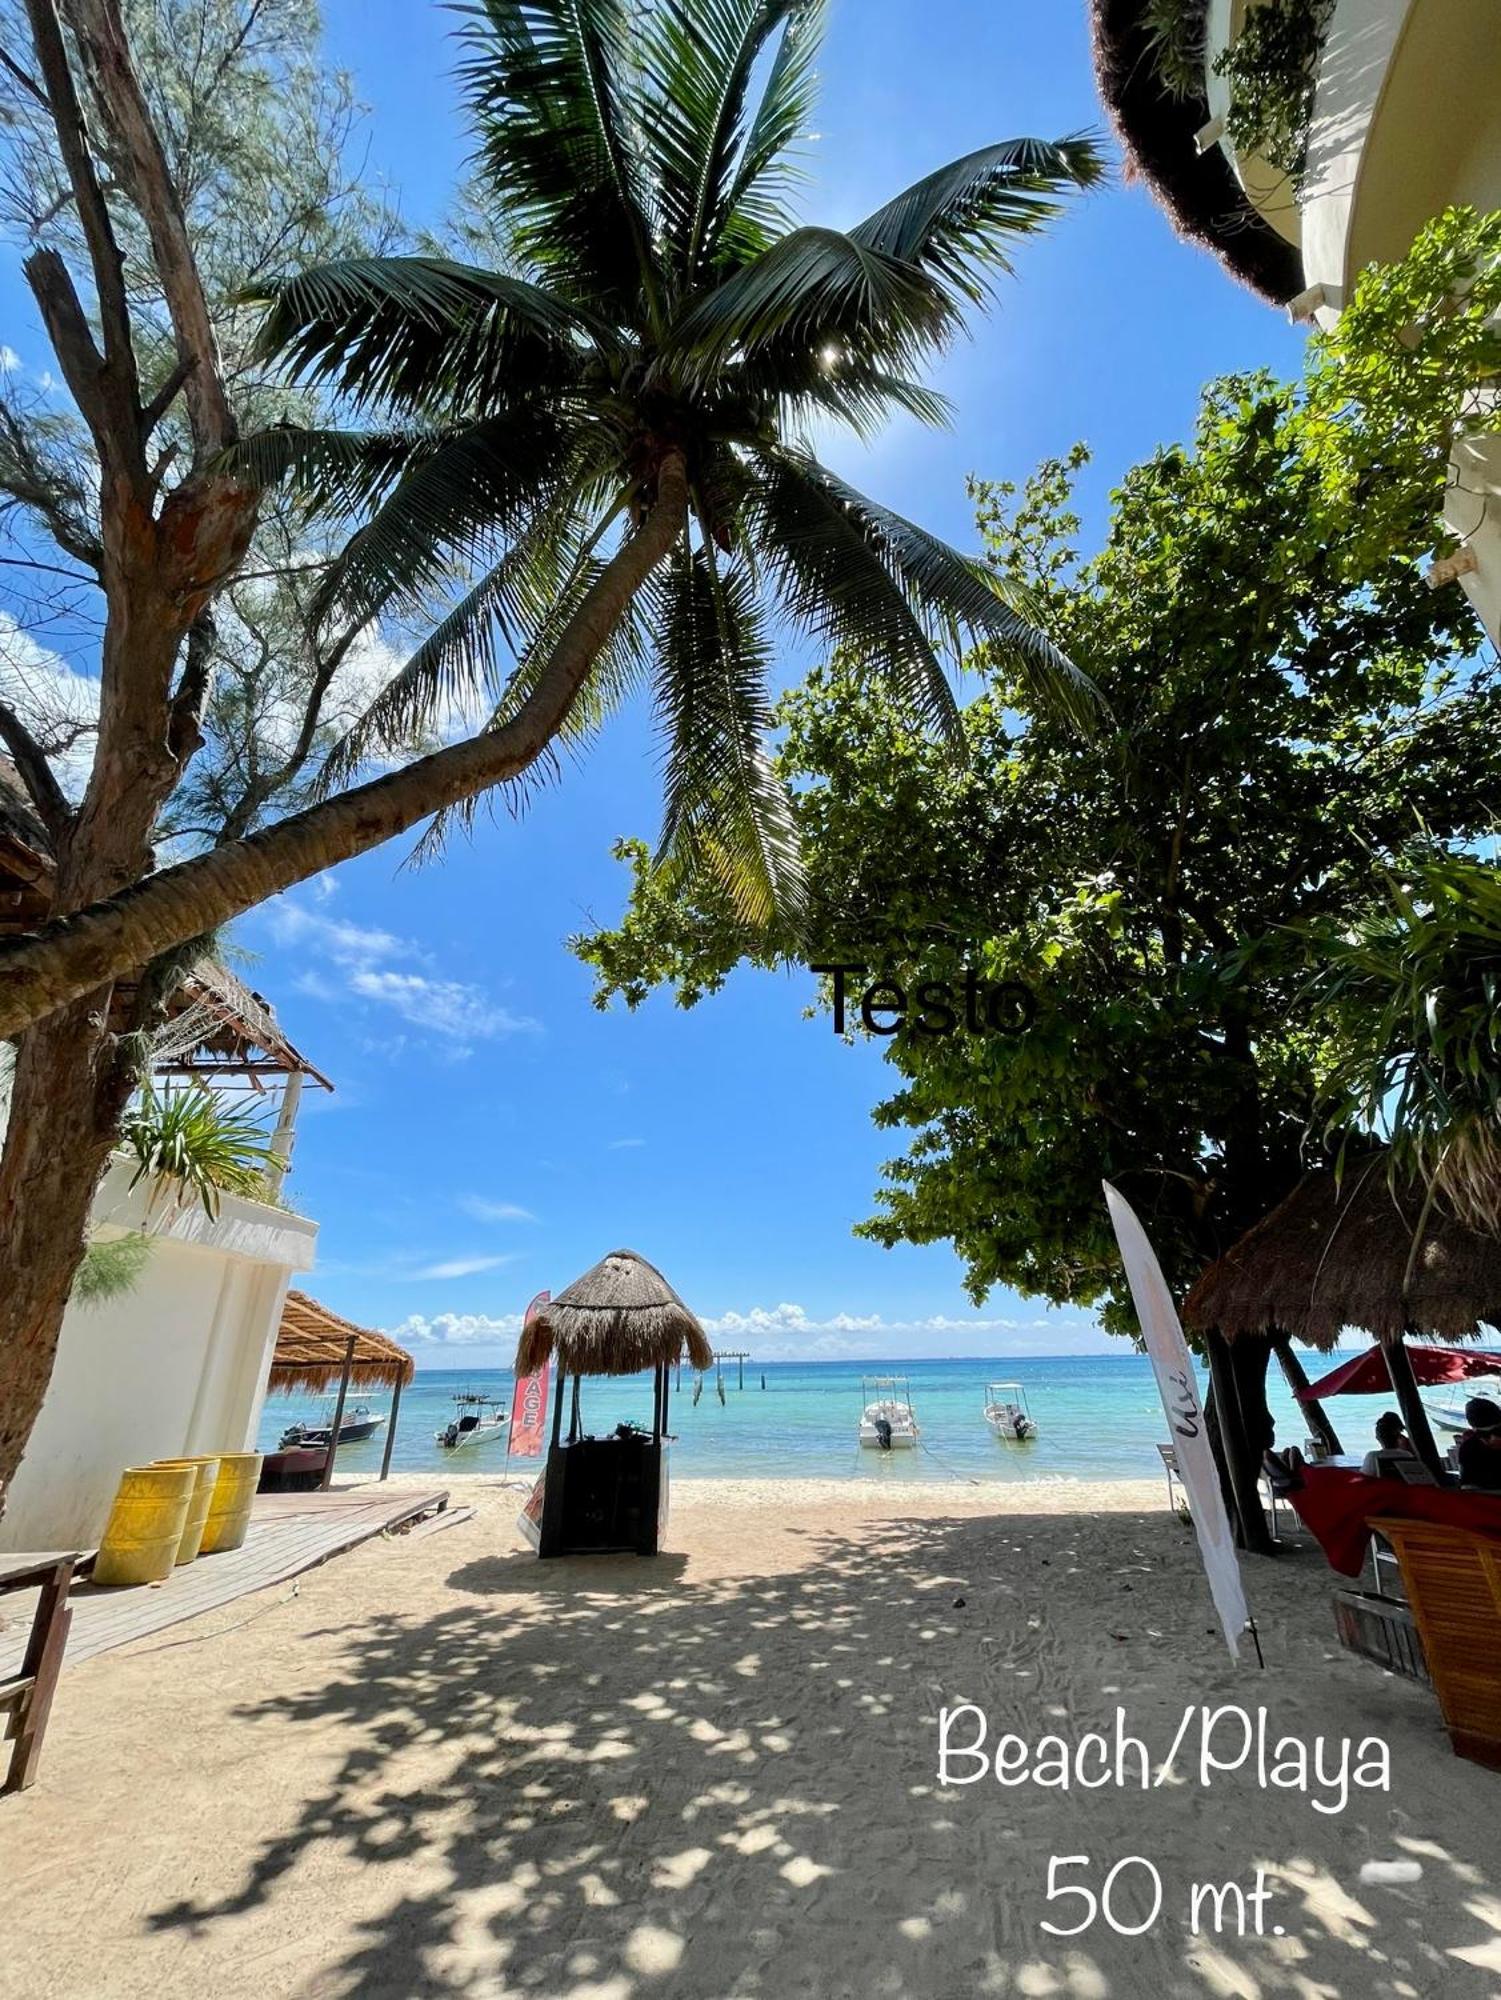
column 599, row 454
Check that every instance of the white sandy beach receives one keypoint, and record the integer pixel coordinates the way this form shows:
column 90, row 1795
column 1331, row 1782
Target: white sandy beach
column 442, row 1767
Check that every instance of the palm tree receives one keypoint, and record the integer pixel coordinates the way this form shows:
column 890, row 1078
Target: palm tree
column 1411, row 999
column 606, row 446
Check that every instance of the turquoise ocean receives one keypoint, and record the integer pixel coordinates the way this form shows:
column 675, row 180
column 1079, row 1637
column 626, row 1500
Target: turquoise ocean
column 1098, row 1417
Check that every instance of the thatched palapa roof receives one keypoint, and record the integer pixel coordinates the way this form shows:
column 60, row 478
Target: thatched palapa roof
column 1199, row 191
column 312, row 1343
column 618, row 1318
column 1335, row 1254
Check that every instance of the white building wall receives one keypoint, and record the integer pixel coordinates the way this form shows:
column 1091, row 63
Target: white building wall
column 177, row 1365
column 1406, row 123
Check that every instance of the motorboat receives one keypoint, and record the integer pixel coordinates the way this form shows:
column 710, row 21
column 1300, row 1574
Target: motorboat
column 476, row 1419
column 1451, row 1417
column 1008, row 1412
column 888, row 1421
column 356, row 1425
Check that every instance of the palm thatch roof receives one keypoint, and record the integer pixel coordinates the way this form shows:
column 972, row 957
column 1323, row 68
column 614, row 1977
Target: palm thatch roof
column 1335, row 1255
column 1157, row 131
column 312, row 1343
column 616, row 1319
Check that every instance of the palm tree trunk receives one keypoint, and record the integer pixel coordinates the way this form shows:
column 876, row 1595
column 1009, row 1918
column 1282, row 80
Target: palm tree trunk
column 71, row 1087
column 76, row 954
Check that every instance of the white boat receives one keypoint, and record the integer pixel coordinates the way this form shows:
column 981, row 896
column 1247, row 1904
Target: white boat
column 887, row 1419
column 478, row 1418
column 1452, row 1416
column 1008, row 1413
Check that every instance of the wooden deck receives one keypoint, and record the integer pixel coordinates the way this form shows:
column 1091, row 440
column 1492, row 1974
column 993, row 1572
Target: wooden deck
column 289, row 1533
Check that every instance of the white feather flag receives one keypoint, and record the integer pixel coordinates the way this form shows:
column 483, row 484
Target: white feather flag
column 1163, row 1334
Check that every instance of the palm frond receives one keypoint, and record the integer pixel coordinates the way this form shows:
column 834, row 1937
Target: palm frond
column 420, row 333
column 450, row 509
column 817, row 294
column 755, row 208
column 956, row 224
column 468, row 658
column 1411, row 995
column 335, row 472
column 547, row 85
column 699, row 59
column 836, row 583
column 960, row 600
column 726, row 813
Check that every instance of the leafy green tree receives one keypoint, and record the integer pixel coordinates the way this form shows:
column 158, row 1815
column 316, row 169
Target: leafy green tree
column 1281, row 715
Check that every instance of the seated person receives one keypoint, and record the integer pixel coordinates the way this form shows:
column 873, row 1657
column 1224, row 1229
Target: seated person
column 1480, row 1446
column 1392, row 1443
column 1284, row 1469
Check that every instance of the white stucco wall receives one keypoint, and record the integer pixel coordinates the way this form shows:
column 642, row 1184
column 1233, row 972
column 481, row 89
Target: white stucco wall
column 177, row 1365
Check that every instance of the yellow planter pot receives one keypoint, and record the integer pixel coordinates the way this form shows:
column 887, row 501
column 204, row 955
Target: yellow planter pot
column 229, row 1509
column 203, row 1493
column 145, row 1524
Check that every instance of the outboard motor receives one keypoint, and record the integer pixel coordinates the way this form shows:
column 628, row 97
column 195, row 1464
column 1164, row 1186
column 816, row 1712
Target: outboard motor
column 883, row 1433
column 451, row 1436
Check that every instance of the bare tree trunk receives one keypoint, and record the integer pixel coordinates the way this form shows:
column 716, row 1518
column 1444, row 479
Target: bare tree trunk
column 1243, row 1435
column 74, row 955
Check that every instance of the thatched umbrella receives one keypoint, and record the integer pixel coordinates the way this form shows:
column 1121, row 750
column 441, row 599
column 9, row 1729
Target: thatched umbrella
column 618, row 1318
column 622, row 1316
column 1339, row 1253
column 315, row 1348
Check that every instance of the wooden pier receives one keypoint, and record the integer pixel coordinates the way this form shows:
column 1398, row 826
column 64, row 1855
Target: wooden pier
column 289, row 1533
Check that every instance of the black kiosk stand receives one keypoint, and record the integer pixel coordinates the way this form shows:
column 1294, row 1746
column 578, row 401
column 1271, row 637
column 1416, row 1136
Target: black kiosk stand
column 603, row 1495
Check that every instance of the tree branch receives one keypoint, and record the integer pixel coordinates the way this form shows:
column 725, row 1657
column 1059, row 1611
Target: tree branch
column 93, row 212
column 26, row 80
column 72, row 955
column 165, row 396
column 31, row 483
column 36, row 774
column 83, row 366
column 185, row 717
column 142, row 167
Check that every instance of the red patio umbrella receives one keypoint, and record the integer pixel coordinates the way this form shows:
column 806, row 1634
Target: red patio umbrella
column 1368, row 1375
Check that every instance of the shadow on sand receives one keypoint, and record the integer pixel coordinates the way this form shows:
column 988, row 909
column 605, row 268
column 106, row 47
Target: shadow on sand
column 606, row 1779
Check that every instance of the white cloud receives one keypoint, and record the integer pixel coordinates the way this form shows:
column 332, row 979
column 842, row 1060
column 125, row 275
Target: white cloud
column 484, row 1210
column 375, row 966
column 789, row 1333
column 455, row 1329
column 10, row 361
column 462, row 1267
column 463, row 1013
column 622, row 1145
column 332, row 937
column 52, row 700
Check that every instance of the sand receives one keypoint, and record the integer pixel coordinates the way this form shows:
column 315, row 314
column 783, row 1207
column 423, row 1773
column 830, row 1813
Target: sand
column 442, row 1767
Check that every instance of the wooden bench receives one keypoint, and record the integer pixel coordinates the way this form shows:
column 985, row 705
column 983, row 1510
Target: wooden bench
column 26, row 1698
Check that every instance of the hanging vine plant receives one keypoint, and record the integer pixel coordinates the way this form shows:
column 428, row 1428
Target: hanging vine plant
column 1272, row 71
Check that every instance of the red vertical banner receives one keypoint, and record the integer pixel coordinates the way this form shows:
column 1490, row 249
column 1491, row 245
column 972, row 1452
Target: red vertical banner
column 529, row 1403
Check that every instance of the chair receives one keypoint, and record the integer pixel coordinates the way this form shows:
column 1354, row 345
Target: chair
column 1169, row 1455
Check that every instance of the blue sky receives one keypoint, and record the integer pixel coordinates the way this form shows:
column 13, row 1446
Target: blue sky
column 491, row 1133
